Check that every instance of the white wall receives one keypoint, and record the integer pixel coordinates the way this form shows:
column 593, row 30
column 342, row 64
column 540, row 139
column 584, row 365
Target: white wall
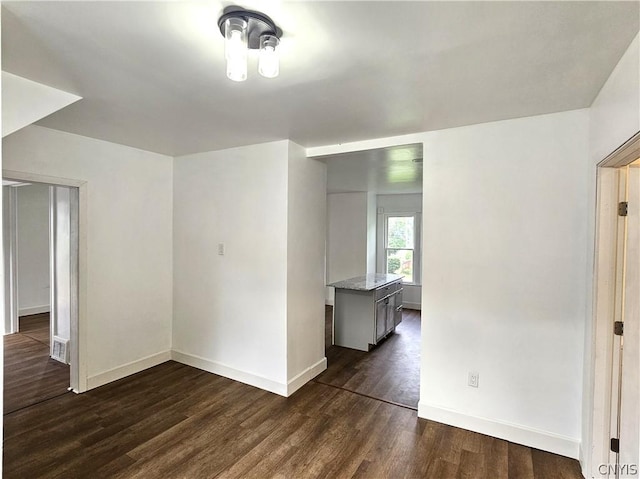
column 614, row 117
column 33, row 249
column 306, row 230
column 347, row 236
column 406, row 203
column 129, row 243
column 230, row 311
column 372, row 217
column 505, row 241
column 256, row 313
column 409, row 203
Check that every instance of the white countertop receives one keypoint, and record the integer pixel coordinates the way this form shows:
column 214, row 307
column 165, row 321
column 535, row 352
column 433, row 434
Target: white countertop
column 368, row 282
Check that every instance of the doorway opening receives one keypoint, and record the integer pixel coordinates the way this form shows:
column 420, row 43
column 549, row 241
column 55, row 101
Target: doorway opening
column 374, row 226
column 42, row 241
column 616, row 331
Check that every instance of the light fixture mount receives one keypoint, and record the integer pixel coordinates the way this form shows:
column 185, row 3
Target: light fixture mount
column 258, row 24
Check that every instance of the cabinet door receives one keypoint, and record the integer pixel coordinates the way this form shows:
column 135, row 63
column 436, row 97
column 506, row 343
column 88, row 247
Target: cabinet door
column 397, row 315
column 391, row 309
column 381, row 319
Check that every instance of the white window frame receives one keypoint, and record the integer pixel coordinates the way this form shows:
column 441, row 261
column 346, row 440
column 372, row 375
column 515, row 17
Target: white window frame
column 417, row 253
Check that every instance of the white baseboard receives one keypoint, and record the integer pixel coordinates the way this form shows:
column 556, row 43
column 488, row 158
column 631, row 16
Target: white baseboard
column 230, row 372
column 45, row 308
column 211, row 366
column 584, row 466
column 305, row 376
column 546, row 441
column 127, row 369
column 407, row 305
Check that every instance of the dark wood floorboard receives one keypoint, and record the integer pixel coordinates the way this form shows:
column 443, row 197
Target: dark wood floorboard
column 30, row 375
column 175, row 421
column 390, row 372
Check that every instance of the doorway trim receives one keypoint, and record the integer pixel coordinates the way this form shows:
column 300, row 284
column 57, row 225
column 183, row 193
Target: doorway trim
column 11, row 266
column 78, row 350
column 604, row 296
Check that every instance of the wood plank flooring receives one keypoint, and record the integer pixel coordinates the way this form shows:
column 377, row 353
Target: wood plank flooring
column 390, row 372
column 30, row 375
column 175, row 421
column 36, row 326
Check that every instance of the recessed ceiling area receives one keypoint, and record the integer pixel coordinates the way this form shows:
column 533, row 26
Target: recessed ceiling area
column 152, row 74
column 14, row 183
column 384, row 171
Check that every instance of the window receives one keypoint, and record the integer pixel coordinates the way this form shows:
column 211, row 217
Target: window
column 400, row 246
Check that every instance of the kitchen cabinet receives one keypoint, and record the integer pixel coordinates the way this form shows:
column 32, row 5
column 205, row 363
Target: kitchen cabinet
column 366, row 310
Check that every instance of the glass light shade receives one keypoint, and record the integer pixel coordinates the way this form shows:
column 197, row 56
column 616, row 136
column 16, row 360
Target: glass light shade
column 236, row 48
column 268, row 63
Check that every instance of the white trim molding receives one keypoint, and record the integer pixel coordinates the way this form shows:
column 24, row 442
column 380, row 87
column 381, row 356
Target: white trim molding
column 213, row 367
column 407, row 305
column 229, row 372
column 305, row 376
column 45, row 308
column 538, row 439
column 127, row 369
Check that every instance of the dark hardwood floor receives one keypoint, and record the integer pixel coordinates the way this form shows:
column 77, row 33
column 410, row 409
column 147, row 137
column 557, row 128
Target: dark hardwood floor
column 30, row 375
column 37, row 327
column 390, row 372
column 175, row 421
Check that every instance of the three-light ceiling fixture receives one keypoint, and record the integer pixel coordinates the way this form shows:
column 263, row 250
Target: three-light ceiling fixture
column 245, row 30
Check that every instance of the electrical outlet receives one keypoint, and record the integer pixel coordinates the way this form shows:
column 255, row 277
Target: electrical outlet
column 473, row 379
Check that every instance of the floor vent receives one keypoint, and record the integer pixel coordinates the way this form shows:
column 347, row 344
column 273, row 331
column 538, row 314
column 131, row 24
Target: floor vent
column 59, row 350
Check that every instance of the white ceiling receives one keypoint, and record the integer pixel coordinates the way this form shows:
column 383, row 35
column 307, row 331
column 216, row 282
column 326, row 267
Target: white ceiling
column 152, row 74
column 392, row 170
column 25, row 102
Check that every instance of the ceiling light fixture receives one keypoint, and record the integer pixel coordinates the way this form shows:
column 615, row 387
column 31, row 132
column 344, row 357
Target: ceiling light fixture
column 245, row 30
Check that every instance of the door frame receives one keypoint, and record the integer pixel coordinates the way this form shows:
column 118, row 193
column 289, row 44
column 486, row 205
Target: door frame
column 629, row 430
column 53, row 290
column 604, row 298
column 78, row 343
column 11, row 258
